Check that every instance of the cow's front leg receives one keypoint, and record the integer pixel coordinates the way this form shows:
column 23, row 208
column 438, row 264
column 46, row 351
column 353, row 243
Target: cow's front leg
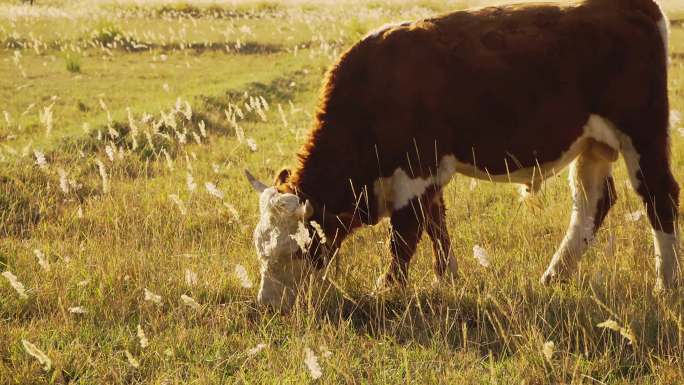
column 407, row 228
column 445, row 266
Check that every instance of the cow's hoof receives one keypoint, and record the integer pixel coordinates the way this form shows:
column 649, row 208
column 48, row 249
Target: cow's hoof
column 553, row 276
column 446, row 279
column 663, row 286
column 387, row 282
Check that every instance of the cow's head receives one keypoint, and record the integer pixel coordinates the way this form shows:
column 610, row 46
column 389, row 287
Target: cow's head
column 288, row 246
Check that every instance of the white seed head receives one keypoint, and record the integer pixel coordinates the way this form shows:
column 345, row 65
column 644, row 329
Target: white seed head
column 132, row 360
column 190, row 302
column 42, row 260
column 16, row 285
column 302, row 236
column 213, row 190
column 481, row 255
column 77, row 310
column 255, row 350
column 548, row 350
column 311, row 362
column 152, row 297
column 38, row 354
column 319, row 231
column 625, row 332
column 40, row 159
column 190, row 277
column 243, row 277
column 142, row 338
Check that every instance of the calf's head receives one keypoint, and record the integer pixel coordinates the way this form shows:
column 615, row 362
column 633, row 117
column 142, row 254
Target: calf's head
column 285, row 241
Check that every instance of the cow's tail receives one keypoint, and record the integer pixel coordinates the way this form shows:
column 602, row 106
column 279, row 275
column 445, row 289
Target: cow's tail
column 664, row 27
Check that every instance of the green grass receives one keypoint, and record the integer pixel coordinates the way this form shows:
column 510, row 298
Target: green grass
column 105, row 248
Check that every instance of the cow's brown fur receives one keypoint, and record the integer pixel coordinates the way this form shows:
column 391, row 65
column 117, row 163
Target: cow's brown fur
column 500, row 88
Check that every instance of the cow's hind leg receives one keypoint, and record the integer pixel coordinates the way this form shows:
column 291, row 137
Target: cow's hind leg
column 593, row 194
column 649, row 171
column 445, row 265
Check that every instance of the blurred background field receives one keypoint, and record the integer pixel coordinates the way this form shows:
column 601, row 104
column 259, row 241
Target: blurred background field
column 124, row 215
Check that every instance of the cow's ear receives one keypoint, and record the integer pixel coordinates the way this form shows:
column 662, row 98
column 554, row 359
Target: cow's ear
column 282, row 176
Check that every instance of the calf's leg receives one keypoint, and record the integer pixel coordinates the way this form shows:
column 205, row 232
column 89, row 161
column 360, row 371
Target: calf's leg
column 593, row 194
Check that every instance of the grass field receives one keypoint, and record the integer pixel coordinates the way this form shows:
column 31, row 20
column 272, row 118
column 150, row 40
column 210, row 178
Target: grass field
column 124, row 214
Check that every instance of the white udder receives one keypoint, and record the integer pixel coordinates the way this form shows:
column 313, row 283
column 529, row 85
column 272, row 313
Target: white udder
column 397, row 190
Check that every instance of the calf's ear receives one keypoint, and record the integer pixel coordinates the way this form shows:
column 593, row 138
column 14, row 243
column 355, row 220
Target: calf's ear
column 258, row 186
column 282, row 176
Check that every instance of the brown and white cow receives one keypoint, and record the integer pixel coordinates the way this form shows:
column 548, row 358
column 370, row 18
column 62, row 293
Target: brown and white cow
column 508, row 94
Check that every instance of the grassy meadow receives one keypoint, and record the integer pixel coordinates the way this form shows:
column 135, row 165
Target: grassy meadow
column 126, row 222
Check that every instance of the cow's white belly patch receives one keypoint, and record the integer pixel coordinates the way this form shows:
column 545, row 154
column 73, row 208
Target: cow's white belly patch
column 397, row 190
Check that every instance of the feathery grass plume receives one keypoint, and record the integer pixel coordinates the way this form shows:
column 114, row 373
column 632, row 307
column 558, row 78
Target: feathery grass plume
column 131, row 360
column 103, row 175
column 282, row 115
column 255, row 350
column 42, row 259
column 83, row 283
column 16, row 285
column 481, row 255
column 302, row 236
column 152, row 297
column 133, row 129
column 109, row 150
column 167, row 157
column 46, row 118
column 77, row 310
column 142, row 338
column 319, row 231
column 233, row 211
column 634, row 216
column 190, row 182
column 187, row 111
column 243, row 277
column 213, row 190
column 40, row 159
column 179, row 203
column 38, row 354
column 189, row 301
column 198, row 139
column 63, row 180
column 473, row 184
column 311, row 362
column 190, row 277
column 548, row 350
column 203, row 128
column 325, row 352
column 625, row 332
column 251, row 143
